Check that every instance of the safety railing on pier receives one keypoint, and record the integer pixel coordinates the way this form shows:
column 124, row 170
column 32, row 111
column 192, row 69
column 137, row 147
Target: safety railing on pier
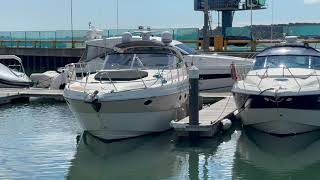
column 76, row 38
column 237, row 39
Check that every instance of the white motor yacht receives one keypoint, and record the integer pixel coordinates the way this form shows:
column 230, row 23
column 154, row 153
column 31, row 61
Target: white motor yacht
column 281, row 94
column 140, row 88
column 12, row 74
column 214, row 69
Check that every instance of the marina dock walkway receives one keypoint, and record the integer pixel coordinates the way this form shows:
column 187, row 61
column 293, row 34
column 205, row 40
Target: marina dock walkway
column 209, row 117
column 8, row 95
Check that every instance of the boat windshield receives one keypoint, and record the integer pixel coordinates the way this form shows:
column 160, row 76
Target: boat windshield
column 13, row 64
column 186, row 50
column 289, row 61
column 141, row 60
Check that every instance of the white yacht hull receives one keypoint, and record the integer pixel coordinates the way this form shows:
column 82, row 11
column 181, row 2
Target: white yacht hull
column 126, row 125
column 215, row 73
column 222, row 84
column 281, row 121
column 128, row 118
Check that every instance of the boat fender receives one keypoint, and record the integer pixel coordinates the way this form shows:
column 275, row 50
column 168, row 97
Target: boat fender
column 234, row 72
column 226, row 124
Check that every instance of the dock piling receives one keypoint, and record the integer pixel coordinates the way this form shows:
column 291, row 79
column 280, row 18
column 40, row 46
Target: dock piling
column 194, row 100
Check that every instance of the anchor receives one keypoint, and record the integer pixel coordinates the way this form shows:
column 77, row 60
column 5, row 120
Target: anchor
column 94, row 101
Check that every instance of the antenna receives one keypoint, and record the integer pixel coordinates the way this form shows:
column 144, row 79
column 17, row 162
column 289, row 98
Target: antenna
column 272, row 19
column 117, row 16
column 71, row 13
column 251, row 34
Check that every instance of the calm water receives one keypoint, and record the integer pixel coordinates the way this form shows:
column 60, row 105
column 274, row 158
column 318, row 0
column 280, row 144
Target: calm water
column 38, row 141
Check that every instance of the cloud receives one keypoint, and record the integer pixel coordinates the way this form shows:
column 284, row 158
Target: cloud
column 312, row 1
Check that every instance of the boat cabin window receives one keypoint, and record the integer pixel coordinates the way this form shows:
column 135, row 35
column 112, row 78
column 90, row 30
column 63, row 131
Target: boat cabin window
column 260, row 62
column 13, row 64
column 289, row 61
column 315, row 61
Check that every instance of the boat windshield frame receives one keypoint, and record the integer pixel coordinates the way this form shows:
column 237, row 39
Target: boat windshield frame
column 12, row 66
column 132, row 51
column 287, row 61
column 185, row 49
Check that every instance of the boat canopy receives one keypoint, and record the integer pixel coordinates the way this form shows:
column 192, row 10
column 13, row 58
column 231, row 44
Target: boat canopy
column 142, row 54
column 294, row 50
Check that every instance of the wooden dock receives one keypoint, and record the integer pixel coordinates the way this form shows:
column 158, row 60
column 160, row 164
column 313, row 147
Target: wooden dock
column 8, row 95
column 209, row 117
column 209, row 97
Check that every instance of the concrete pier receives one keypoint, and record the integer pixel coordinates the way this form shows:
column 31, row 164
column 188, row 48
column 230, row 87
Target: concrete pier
column 10, row 95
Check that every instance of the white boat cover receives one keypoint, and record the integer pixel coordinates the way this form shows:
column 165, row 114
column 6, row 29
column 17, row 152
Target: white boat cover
column 43, row 80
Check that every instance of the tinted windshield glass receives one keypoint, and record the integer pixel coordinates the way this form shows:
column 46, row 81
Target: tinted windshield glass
column 288, row 61
column 260, row 63
column 315, row 62
column 147, row 61
column 186, row 48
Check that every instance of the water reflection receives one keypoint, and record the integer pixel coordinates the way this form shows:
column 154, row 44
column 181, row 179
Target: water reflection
column 263, row 156
column 36, row 140
column 153, row 157
column 148, row 157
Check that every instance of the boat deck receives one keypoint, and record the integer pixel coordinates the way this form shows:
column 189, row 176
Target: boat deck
column 209, row 117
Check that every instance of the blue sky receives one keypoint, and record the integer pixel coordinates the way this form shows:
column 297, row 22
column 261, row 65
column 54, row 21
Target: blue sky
column 55, row 14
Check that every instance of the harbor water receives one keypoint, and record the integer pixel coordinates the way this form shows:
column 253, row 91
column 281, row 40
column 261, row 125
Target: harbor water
column 38, row 140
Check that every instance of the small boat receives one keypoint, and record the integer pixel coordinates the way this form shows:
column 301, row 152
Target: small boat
column 281, row 93
column 139, row 90
column 12, row 74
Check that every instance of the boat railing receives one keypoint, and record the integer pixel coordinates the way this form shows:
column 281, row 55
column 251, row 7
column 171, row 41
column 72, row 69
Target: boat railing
column 78, row 72
column 240, row 73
